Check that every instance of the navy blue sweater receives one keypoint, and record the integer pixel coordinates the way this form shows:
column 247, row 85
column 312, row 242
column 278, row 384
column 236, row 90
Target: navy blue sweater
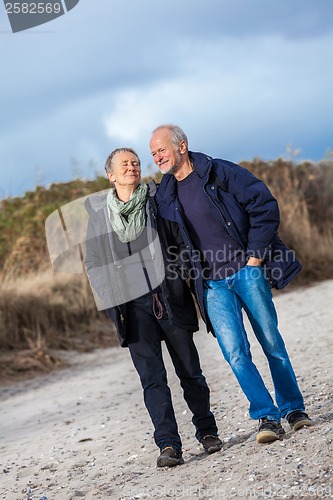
column 219, row 254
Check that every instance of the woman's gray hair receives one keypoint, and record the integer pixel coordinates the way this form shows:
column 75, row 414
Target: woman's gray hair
column 110, row 159
column 177, row 134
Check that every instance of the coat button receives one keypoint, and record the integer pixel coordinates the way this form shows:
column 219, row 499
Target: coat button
column 229, row 223
column 212, row 187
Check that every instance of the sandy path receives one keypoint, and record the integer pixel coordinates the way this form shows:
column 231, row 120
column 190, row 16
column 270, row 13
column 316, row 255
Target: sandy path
column 83, row 432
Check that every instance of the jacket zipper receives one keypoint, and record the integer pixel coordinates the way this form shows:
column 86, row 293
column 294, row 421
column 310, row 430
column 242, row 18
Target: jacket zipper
column 226, row 224
column 164, row 289
column 217, row 208
column 121, row 316
column 203, row 314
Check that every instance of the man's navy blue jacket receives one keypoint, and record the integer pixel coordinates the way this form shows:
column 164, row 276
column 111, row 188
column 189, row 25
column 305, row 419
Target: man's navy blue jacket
column 241, row 203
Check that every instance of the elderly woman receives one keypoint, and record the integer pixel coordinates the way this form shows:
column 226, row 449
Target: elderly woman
column 150, row 305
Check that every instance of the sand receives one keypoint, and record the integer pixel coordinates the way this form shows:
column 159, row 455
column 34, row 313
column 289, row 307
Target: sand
column 83, row 432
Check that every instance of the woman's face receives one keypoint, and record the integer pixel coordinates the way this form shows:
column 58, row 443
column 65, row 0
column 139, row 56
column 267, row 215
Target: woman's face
column 126, row 170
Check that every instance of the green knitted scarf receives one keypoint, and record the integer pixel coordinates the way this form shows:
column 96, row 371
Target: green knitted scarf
column 128, row 219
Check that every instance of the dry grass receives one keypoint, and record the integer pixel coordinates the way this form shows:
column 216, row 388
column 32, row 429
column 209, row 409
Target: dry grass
column 41, row 311
column 48, row 309
column 305, row 196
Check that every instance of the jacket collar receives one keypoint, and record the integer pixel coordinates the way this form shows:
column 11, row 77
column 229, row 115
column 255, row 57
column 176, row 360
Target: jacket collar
column 152, row 187
column 202, row 163
column 167, row 190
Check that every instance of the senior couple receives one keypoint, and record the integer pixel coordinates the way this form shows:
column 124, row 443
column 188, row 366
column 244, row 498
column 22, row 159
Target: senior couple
column 219, row 211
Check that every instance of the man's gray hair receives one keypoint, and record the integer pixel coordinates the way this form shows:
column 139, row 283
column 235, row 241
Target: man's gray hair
column 177, row 134
column 110, row 159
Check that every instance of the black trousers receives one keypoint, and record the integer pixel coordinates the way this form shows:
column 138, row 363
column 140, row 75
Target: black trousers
column 144, row 342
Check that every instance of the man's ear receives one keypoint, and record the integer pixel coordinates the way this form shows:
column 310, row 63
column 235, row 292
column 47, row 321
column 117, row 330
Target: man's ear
column 182, row 147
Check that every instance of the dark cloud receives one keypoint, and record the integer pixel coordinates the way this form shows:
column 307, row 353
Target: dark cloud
column 64, row 82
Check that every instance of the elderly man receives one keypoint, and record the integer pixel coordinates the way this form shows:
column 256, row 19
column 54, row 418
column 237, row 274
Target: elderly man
column 229, row 220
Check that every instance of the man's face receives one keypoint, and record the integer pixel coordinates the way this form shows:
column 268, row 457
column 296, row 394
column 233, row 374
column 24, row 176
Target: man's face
column 165, row 154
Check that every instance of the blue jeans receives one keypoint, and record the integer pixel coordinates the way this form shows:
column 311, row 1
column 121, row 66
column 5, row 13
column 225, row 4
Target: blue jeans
column 224, row 300
column 144, row 342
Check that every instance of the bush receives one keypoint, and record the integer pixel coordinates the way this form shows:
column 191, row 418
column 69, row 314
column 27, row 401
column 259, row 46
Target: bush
column 305, row 196
column 39, row 309
column 51, row 310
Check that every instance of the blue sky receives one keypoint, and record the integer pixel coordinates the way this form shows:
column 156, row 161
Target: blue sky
column 243, row 78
